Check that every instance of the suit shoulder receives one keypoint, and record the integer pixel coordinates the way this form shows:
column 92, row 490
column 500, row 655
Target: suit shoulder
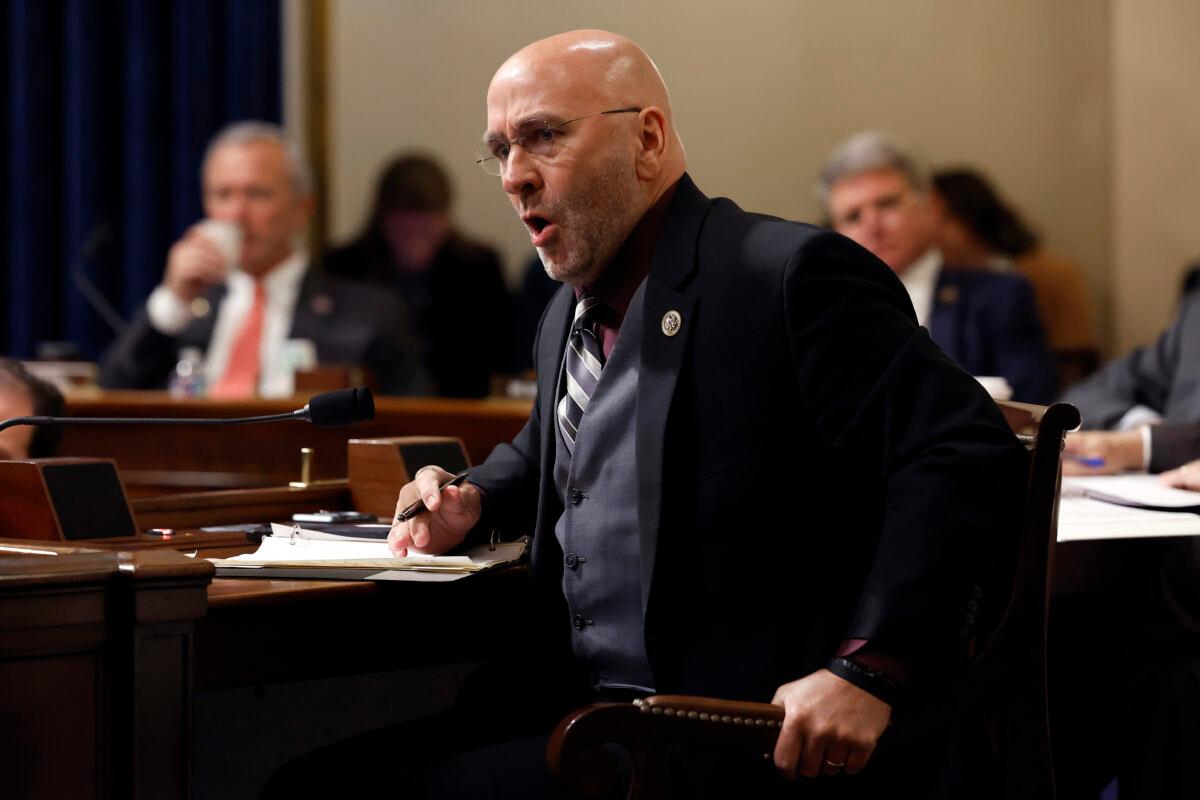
column 355, row 296
column 984, row 280
column 767, row 241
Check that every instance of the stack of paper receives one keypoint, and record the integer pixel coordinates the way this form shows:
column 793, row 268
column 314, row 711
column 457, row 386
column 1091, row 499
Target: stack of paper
column 1125, row 507
column 292, row 552
column 1138, row 491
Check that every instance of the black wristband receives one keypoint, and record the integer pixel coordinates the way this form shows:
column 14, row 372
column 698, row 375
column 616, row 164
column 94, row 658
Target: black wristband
column 865, row 678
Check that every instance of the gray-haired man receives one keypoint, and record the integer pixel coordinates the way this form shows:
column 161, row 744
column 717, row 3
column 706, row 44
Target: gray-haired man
column 239, row 286
column 875, row 193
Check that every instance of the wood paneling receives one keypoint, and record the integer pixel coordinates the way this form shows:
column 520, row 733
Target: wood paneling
column 269, row 454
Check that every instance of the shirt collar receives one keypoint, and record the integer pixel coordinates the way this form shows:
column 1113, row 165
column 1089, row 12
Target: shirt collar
column 282, row 281
column 620, row 280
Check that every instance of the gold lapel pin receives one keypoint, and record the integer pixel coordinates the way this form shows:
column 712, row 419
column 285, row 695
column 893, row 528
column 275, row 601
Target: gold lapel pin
column 948, row 295
column 671, row 323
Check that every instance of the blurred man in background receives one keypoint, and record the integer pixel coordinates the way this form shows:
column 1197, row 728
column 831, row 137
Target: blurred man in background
column 240, row 288
column 874, row 192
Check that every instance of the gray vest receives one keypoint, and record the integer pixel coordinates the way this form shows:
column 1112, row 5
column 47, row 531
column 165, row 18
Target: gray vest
column 598, row 530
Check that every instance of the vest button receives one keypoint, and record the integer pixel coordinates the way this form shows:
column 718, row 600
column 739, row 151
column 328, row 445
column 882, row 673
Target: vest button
column 572, row 561
column 574, row 496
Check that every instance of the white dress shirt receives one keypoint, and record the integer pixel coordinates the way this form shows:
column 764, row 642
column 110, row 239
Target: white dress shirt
column 170, row 315
column 920, row 279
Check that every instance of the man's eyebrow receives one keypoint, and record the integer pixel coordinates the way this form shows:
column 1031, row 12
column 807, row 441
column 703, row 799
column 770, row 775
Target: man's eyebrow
column 541, row 117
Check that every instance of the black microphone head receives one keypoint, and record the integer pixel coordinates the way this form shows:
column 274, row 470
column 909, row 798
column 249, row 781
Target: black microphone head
column 343, row 407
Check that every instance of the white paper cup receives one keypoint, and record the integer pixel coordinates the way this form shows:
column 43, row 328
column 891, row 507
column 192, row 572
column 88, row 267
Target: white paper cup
column 996, row 386
column 227, row 236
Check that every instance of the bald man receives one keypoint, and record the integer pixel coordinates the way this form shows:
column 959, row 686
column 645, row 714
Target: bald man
column 748, row 473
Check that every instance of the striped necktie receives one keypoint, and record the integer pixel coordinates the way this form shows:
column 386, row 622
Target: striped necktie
column 583, row 363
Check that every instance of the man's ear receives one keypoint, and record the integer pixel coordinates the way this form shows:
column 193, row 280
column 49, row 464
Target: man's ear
column 652, row 142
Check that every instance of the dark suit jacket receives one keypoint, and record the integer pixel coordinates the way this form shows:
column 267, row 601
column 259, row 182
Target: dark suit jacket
column 1164, row 377
column 469, row 316
column 348, row 323
column 811, row 467
column 988, row 323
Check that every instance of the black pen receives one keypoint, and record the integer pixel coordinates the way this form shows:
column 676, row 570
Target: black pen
column 419, row 506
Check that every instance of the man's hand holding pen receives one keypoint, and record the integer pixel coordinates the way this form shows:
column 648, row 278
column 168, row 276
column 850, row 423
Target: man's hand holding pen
column 450, row 509
column 1103, row 452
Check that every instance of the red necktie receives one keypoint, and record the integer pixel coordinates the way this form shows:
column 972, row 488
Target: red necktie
column 241, row 376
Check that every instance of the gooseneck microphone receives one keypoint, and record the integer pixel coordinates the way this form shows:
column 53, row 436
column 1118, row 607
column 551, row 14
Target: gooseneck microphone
column 343, row 407
column 96, row 240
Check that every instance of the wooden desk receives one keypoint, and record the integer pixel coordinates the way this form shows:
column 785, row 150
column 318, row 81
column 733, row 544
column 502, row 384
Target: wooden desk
column 188, row 458
column 100, row 652
column 96, row 671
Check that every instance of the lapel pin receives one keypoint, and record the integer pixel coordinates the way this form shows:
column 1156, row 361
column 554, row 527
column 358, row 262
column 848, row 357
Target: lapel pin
column 948, row 294
column 671, row 323
column 322, row 305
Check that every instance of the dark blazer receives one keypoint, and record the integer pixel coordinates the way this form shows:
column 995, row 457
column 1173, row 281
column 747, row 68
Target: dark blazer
column 470, row 314
column 348, row 323
column 1164, row 376
column 988, row 323
column 811, row 467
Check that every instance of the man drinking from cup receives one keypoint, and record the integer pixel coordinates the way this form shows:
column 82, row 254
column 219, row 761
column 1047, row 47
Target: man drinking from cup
column 240, row 287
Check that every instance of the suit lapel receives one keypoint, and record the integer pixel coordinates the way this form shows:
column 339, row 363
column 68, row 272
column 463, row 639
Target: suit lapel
column 668, row 318
column 943, row 317
column 314, row 305
column 551, row 343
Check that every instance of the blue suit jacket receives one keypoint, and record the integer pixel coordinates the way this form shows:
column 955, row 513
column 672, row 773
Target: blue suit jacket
column 988, row 323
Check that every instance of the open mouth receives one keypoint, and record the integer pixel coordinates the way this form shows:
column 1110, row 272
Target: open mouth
column 539, row 227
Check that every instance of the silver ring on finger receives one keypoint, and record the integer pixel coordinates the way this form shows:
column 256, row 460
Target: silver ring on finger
column 834, row 765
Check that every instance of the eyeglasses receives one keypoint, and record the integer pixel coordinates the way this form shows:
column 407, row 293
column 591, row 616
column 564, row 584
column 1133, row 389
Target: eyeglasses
column 537, row 137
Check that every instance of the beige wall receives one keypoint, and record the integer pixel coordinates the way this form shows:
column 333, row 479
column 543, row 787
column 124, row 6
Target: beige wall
column 1156, row 158
column 762, row 90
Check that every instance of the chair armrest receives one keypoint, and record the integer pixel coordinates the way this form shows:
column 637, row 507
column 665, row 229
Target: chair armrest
column 643, row 727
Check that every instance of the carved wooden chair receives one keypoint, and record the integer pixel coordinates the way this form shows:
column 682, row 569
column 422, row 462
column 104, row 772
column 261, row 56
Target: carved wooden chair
column 1006, row 678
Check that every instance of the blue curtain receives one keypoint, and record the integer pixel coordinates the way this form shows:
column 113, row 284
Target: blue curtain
column 110, row 105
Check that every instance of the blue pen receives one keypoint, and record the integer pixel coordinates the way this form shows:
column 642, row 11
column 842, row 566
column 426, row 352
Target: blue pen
column 1088, row 461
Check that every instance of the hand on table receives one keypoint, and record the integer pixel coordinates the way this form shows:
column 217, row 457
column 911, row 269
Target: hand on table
column 1185, row 477
column 830, row 726
column 1112, row 452
column 450, row 514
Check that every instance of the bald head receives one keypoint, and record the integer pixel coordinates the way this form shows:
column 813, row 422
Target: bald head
column 581, row 126
column 596, row 68
column 596, row 65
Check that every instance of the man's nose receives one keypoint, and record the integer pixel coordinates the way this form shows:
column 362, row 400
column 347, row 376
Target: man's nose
column 520, row 174
column 872, row 222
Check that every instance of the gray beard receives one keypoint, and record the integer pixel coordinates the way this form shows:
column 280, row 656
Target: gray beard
column 601, row 223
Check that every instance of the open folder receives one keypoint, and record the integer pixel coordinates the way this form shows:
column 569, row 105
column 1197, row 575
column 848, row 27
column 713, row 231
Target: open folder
column 294, row 552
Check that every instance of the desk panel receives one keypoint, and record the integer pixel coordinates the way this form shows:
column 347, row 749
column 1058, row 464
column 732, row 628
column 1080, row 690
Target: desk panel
column 178, row 458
